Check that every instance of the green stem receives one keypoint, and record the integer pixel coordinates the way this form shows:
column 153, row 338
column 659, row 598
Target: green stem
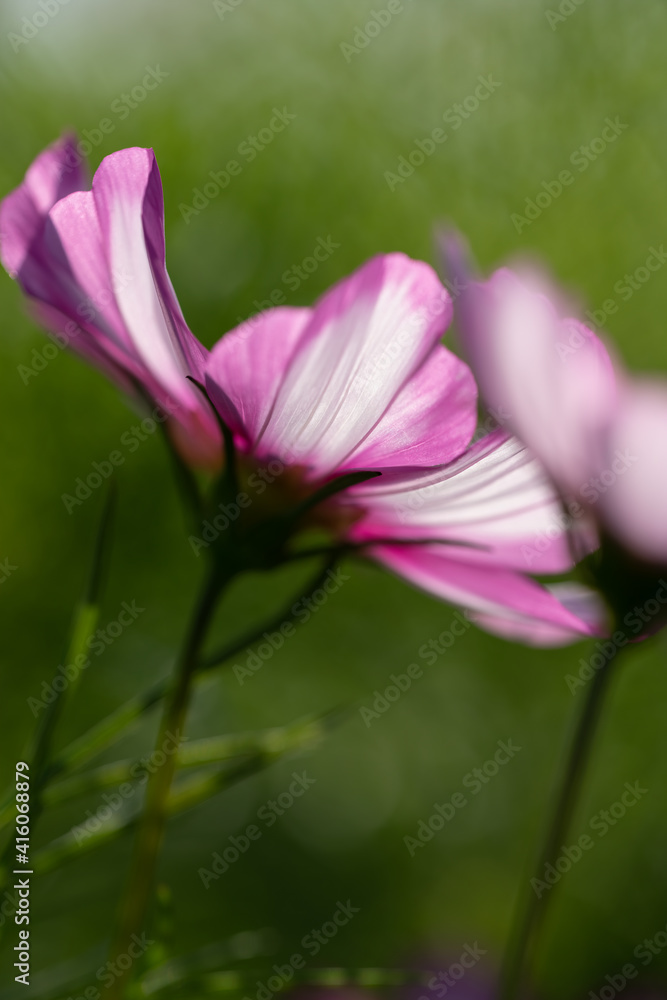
column 300, row 735
column 83, row 625
column 167, row 982
column 529, row 919
column 135, row 902
column 273, row 745
column 203, row 973
column 106, row 732
column 211, row 750
column 287, row 614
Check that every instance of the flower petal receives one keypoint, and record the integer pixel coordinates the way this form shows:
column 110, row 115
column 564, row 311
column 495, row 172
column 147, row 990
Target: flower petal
column 247, row 367
column 585, row 604
column 550, row 380
column 500, row 600
column 430, row 422
column 93, row 265
column 633, row 488
column 68, row 269
column 127, row 186
column 55, row 173
column 75, row 337
column 195, row 354
column 367, row 336
column 495, row 498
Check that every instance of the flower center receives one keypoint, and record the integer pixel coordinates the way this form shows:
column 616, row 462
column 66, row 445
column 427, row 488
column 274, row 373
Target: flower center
column 272, row 488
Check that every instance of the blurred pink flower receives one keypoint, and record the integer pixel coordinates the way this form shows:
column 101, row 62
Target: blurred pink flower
column 361, row 382
column 600, row 433
column 92, row 263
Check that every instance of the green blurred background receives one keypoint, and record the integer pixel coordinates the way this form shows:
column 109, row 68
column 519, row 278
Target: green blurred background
column 324, row 175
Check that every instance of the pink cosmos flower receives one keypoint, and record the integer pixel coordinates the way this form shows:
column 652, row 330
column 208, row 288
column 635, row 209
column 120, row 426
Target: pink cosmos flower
column 361, row 382
column 600, row 433
column 92, row 263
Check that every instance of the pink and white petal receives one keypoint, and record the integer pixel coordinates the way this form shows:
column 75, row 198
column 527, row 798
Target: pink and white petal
column 61, row 298
column 56, row 172
column 585, row 604
column 194, row 352
column 190, row 429
column 196, row 435
column 501, row 600
column 634, row 477
column 119, row 189
column 430, row 422
column 550, row 380
column 20, row 222
column 69, row 270
column 247, row 366
column 97, row 350
column 496, row 498
column 367, row 337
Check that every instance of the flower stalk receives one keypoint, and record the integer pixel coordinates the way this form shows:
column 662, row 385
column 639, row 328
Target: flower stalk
column 134, row 905
column 520, row 956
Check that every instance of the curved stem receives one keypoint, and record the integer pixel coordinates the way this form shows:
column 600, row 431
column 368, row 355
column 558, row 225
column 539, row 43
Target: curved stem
column 134, row 904
column 529, row 919
column 183, row 972
column 287, row 614
column 109, row 730
column 274, row 745
column 195, row 753
column 39, row 754
column 106, row 732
